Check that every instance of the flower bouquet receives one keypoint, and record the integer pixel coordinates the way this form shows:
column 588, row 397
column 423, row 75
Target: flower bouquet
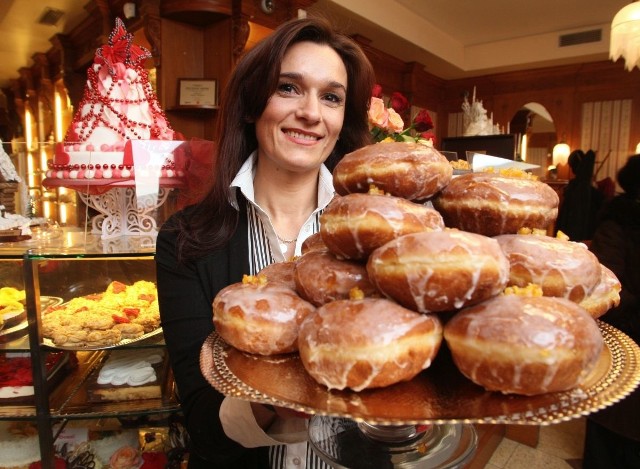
column 386, row 123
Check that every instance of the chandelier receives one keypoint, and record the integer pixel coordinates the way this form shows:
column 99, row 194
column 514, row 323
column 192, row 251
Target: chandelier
column 625, row 36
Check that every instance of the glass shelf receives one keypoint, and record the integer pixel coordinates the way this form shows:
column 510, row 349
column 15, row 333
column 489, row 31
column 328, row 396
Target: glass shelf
column 75, row 242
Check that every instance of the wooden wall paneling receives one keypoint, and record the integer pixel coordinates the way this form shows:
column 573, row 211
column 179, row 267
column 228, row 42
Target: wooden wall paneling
column 196, row 12
column 218, row 44
column 389, row 70
column 183, row 57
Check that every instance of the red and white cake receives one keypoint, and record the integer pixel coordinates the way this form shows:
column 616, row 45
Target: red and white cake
column 16, row 376
column 119, row 106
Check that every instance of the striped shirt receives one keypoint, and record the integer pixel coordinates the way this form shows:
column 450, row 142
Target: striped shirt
column 264, row 250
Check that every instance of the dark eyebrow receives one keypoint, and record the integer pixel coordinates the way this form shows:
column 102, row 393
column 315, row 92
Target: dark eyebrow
column 298, row 76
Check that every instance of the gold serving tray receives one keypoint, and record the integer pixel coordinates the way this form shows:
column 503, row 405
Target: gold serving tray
column 440, row 394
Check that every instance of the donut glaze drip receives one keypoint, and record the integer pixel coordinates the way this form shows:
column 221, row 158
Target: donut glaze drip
column 562, row 268
column 605, row 295
column 261, row 319
column 439, row 270
column 404, row 169
column 354, row 225
column 524, row 345
column 491, row 204
column 367, row 343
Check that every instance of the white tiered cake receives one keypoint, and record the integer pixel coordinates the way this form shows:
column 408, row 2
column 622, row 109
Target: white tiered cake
column 118, row 106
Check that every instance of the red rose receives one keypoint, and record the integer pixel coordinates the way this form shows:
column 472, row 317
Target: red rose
column 399, row 103
column 422, row 121
column 427, row 136
column 377, row 91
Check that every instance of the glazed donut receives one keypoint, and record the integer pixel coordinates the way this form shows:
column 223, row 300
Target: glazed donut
column 312, row 243
column 439, row 270
column 405, row 169
column 493, row 204
column 354, row 225
column 260, row 317
column 605, row 295
column 562, row 268
column 524, row 345
column 281, row 272
column 320, row 277
column 367, row 343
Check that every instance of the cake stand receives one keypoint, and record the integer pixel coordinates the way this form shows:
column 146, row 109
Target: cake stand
column 122, row 210
column 425, row 422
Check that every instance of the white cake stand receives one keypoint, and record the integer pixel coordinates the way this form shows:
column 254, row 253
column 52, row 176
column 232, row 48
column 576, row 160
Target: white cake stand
column 123, row 213
column 122, row 210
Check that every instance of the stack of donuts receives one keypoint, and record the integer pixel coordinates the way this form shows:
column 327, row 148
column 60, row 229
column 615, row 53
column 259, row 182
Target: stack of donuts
column 410, row 258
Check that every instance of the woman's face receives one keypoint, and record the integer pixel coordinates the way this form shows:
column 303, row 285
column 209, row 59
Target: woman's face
column 303, row 118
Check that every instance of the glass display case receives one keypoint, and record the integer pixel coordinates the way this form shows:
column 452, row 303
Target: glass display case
column 67, row 270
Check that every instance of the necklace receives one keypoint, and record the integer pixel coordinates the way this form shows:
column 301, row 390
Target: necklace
column 284, row 243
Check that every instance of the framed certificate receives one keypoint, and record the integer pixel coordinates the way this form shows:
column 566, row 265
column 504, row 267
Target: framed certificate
column 197, row 93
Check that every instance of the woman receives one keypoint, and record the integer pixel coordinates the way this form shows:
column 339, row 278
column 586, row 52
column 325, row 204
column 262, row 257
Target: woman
column 581, row 200
column 296, row 101
column 613, row 434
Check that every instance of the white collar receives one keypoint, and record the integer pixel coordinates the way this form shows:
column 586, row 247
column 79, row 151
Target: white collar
column 244, row 181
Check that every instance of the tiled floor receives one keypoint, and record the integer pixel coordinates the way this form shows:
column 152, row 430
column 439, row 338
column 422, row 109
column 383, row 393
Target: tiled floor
column 559, row 447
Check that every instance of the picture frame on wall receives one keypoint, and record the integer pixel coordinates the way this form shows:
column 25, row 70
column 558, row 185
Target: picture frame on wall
column 197, row 93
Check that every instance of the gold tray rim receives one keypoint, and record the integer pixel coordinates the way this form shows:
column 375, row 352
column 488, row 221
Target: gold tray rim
column 620, row 379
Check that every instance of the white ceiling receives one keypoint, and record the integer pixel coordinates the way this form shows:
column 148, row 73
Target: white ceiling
column 457, row 38
column 452, row 38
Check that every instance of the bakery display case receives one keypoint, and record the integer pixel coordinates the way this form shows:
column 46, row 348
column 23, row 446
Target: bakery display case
column 105, row 359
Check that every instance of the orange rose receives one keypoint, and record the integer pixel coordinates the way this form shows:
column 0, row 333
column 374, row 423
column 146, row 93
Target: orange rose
column 126, row 457
column 378, row 114
column 395, row 123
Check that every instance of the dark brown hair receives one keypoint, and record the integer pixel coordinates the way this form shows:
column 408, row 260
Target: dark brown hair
column 252, row 83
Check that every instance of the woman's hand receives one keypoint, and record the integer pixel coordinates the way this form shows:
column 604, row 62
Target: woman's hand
column 266, row 414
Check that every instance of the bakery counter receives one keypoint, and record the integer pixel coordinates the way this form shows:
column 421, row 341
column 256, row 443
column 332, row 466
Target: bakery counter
column 84, row 298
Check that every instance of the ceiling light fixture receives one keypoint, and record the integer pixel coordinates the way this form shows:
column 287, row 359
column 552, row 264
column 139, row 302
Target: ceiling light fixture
column 625, row 36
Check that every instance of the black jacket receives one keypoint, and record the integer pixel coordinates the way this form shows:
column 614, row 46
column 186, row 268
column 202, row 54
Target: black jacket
column 185, row 294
